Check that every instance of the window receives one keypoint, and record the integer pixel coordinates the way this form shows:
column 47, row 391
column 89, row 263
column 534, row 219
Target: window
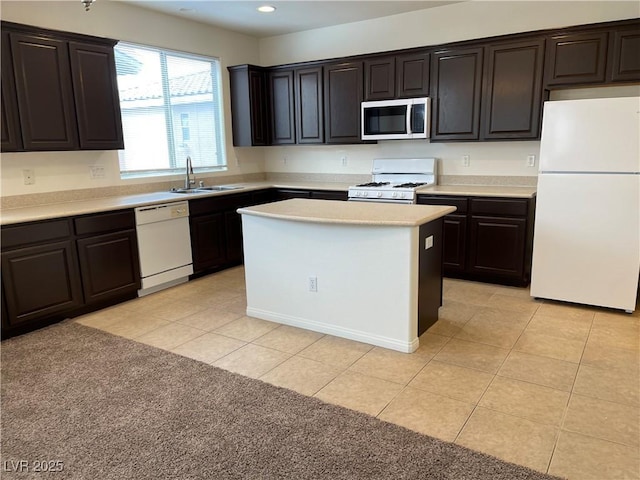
column 171, row 109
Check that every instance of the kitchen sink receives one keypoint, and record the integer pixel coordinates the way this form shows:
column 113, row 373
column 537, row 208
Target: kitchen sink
column 214, row 188
column 183, row 190
column 219, row 188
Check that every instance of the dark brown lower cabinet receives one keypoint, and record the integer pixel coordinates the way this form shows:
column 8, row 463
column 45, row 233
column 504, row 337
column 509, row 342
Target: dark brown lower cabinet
column 488, row 238
column 216, row 230
column 62, row 268
column 455, row 249
column 40, row 282
column 208, row 239
column 287, row 193
column 109, row 265
column 233, row 229
column 497, row 245
column 108, row 256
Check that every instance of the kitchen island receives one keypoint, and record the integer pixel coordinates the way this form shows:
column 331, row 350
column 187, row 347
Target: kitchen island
column 369, row 272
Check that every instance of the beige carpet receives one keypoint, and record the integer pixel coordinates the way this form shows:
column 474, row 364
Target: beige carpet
column 106, row 407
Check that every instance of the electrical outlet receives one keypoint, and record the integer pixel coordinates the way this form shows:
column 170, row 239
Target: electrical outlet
column 29, row 177
column 465, row 160
column 96, row 171
column 531, row 161
column 343, row 159
column 284, row 160
column 428, row 242
column 313, row 284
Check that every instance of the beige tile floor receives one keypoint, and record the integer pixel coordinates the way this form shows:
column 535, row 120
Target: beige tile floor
column 543, row 384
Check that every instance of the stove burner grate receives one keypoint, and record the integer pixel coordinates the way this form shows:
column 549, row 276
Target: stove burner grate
column 373, row 184
column 409, row 185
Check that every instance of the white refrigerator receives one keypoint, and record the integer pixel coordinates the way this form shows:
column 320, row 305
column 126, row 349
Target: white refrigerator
column 586, row 246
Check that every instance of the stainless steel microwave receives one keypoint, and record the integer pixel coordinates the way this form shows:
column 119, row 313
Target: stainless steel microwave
column 396, row 119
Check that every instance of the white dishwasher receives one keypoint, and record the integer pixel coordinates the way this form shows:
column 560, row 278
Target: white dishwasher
column 164, row 245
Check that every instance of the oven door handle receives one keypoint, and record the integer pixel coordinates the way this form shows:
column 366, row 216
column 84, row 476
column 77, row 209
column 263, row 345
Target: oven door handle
column 380, row 200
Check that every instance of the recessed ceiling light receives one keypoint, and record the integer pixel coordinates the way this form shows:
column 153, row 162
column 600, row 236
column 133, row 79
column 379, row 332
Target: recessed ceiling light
column 266, row 9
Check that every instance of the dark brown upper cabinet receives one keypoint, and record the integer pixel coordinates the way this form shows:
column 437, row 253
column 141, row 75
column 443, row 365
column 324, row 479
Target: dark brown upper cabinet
column 401, row 76
column 625, row 55
column 95, row 89
column 456, row 86
column 577, row 58
column 512, row 98
column 309, row 105
column 249, row 105
column 10, row 120
column 283, row 129
column 380, row 78
column 66, row 90
column 412, row 75
column 342, row 99
column 45, row 93
column 483, row 89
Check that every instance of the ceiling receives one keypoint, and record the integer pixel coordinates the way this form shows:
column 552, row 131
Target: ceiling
column 290, row 15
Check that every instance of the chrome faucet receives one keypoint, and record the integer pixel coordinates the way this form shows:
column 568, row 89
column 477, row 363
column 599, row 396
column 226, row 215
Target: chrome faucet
column 188, row 181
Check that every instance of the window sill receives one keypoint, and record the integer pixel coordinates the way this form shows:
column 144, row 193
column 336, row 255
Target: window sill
column 169, row 174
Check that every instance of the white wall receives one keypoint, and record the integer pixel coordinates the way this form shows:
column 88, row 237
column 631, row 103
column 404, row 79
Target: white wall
column 461, row 21
column 70, row 170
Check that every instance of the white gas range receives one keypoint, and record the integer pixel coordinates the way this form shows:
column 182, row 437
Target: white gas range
column 396, row 180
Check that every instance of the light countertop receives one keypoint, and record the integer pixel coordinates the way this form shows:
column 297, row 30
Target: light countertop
column 104, row 204
column 355, row 213
column 480, row 191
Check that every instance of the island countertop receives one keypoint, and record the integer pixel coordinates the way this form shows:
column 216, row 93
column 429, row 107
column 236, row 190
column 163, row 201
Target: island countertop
column 356, row 213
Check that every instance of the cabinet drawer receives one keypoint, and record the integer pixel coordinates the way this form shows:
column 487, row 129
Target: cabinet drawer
column 329, row 195
column 219, row 204
column 31, row 233
column 499, row 206
column 459, row 202
column 105, row 222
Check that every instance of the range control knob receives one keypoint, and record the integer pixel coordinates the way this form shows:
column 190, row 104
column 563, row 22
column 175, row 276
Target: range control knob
column 379, row 194
column 365, row 194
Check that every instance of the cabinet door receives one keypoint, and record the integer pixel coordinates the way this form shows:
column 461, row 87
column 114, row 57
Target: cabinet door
column 625, row 55
column 45, row 95
column 380, row 78
column 249, row 106
column 309, row 105
column 208, row 241
column 497, row 245
column 10, row 121
column 455, row 242
column 454, row 251
column 259, row 106
column 412, row 75
column 576, row 59
column 40, row 281
column 456, row 91
column 95, row 91
column 109, row 265
column 342, row 99
column 263, row 196
column 285, row 194
column 282, row 107
column 329, row 194
column 233, row 227
column 512, row 99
